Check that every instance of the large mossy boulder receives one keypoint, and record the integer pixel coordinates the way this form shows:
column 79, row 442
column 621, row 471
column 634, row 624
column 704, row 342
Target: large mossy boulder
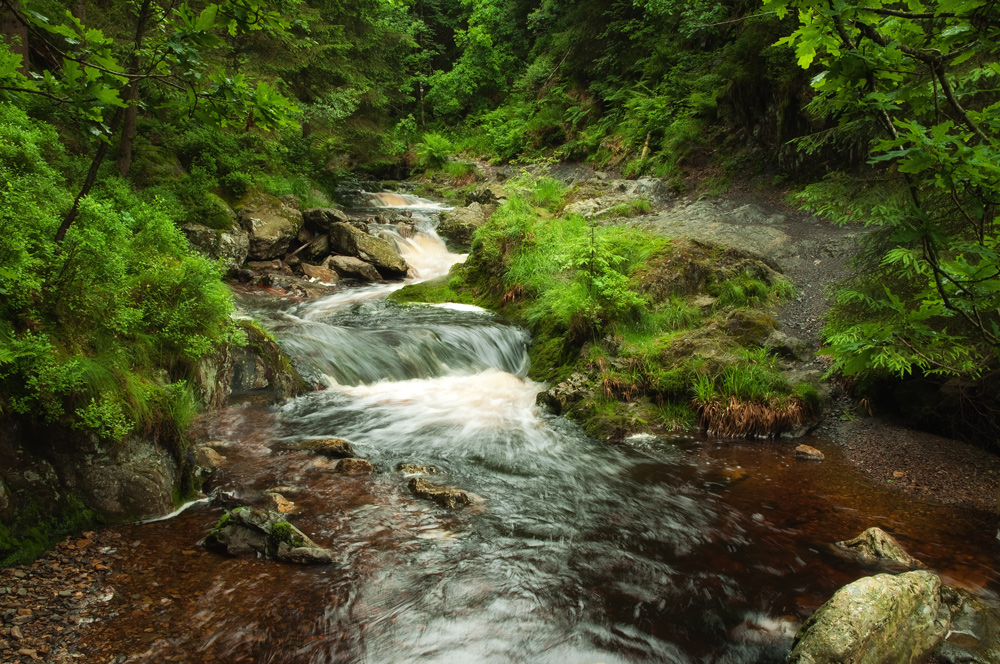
column 259, row 367
column 319, row 219
column 381, row 254
column 272, row 225
column 350, row 267
column 458, row 224
column 882, row 619
column 267, row 534
column 231, row 247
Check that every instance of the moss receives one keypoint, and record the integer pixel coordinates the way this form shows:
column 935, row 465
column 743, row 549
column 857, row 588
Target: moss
column 446, row 288
column 281, row 373
column 33, row 530
column 284, row 532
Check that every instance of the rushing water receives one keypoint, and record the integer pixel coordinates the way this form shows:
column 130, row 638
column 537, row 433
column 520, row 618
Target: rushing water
column 576, row 551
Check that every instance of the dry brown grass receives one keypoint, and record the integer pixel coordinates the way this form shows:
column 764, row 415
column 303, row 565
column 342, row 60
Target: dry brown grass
column 512, row 295
column 739, row 419
column 619, row 388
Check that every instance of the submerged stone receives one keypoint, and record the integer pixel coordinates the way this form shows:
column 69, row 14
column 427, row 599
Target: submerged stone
column 335, row 448
column 808, row 453
column 354, row 466
column 413, row 469
column 443, row 495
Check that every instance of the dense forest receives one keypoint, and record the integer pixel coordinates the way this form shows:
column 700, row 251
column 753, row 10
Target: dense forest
column 120, row 122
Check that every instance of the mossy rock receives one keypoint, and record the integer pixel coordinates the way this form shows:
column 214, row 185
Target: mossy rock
column 446, row 288
column 749, row 327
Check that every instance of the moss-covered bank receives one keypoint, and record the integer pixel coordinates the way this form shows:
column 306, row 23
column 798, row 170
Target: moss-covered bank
column 633, row 332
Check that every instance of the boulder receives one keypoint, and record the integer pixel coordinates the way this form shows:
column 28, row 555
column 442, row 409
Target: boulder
column 206, row 460
column 459, row 224
column 320, row 219
column 882, row 619
column 319, row 273
column 229, row 247
column 269, row 266
column 335, row 448
column 974, row 632
column 808, row 453
column 877, row 547
column 443, row 495
column 354, row 466
column 347, row 240
column 317, row 248
column 266, row 534
column 485, row 195
column 272, row 225
column 352, row 268
column 4, row 498
column 787, row 346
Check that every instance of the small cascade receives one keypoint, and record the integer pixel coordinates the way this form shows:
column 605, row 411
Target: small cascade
column 391, row 199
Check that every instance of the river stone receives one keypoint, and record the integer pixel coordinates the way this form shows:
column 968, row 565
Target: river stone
column 485, row 195
column 459, row 224
column 207, row 460
column 348, row 240
column 974, row 633
column 353, row 268
column 231, row 247
column 571, row 390
column 264, row 533
column 445, row 496
column 323, row 274
column 354, row 466
column 882, row 619
column 808, row 453
column 413, row 469
column 787, row 346
column 335, row 448
column 272, row 225
column 877, row 547
column 317, row 248
column 277, row 502
column 319, row 219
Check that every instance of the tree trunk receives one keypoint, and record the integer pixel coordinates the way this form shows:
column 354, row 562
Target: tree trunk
column 15, row 33
column 129, row 130
column 131, row 119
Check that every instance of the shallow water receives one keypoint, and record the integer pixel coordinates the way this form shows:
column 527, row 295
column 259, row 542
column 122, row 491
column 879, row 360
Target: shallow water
column 575, row 551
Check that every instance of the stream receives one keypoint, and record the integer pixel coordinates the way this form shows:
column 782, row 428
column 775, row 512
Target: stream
column 576, row 551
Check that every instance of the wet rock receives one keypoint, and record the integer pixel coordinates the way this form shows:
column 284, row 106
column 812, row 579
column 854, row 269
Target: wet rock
column 278, row 503
column 207, row 460
column 877, row 547
column 267, row 534
column 134, row 479
column 571, row 390
column 231, row 247
column 808, row 453
column 749, row 327
column 413, row 469
column 353, row 268
column 335, row 448
column 974, row 631
column 442, row 495
column 272, row 225
column 459, row 224
column 269, row 266
column 354, row 466
column 878, row 619
column 348, row 240
column 4, row 498
column 320, row 219
column 260, row 367
column 323, row 274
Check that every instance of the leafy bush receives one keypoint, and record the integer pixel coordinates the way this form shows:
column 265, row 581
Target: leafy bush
column 101, row 334
column 433, row 151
